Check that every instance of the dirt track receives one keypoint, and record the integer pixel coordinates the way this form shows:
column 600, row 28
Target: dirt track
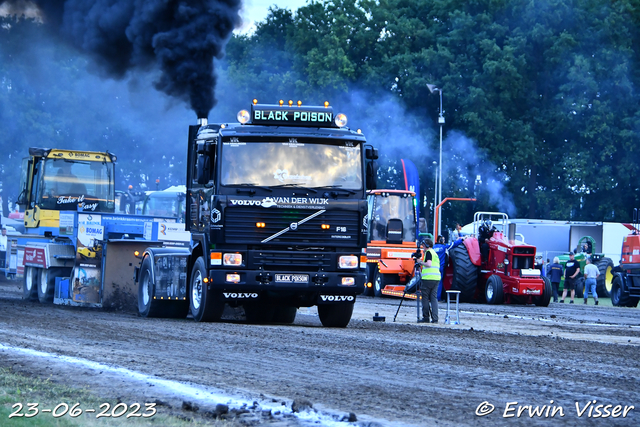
column 395, row 373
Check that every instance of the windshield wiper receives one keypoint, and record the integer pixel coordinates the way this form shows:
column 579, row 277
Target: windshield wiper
column 339, row 187
column 294, row 185
column 248, row 185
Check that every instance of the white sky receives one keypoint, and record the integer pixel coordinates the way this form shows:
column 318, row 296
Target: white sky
column 256, row 10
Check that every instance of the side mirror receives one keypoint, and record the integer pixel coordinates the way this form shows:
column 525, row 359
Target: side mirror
column 371, row 153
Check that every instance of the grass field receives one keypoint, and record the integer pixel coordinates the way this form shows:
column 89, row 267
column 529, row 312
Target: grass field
column 18, row 389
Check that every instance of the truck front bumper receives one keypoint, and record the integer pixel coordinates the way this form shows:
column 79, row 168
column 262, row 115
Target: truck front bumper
column 305, row 285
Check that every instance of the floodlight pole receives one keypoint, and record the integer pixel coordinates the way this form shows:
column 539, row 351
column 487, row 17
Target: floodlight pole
column 433, row 88
column 435, row 197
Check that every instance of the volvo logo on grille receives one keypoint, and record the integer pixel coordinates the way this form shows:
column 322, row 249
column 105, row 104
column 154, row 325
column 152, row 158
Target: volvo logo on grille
column 294, row 226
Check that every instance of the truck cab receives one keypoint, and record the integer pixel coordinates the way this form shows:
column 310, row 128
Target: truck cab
column 276, row 208
column 55, row 180
column 391, row 241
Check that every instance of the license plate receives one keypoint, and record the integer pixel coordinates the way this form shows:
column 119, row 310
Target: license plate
column 292, row 278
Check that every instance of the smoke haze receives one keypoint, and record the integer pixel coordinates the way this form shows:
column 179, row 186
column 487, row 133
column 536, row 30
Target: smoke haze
column 176, row 39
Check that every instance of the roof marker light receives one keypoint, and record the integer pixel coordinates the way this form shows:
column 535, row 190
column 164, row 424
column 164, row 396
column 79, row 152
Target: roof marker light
column 281, row 102
column 290, row 103
column 299, row 103
column 326, row 104
column 255, row 101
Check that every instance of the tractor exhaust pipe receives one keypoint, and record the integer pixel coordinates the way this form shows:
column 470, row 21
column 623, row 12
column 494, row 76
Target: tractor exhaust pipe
column 202, row 121
column 511, row 236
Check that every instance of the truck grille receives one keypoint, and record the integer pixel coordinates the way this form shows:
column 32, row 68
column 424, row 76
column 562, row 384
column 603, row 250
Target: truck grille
column 240, row 226
column 291, row 260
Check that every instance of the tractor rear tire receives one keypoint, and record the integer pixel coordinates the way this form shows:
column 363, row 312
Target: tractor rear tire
column 30, row 284
column 580, row 287
column 335, row 315
column 205, row 304
column 544, row 299
column 381, row 281
column 603, row 288
column 494, row 290
column 465, row 274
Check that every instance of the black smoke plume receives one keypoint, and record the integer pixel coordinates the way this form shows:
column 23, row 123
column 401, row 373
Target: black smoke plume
column 177, row 38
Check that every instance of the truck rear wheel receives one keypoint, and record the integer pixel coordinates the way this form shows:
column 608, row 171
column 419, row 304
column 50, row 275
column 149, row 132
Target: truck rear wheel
column 465, row 274
column 45, row 285
column 335, row 315
column 47, row 282
column 494, row 290
column 205, row 304
column 147, row 306
column 544, row 299
column 605, row 265
column 259, row 313
column 30, row 284
column 381, row 281
column 285, row 315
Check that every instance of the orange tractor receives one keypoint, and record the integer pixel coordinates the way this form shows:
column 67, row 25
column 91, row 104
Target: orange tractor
column 490, row 267
column 625, row 286
column 392, row 240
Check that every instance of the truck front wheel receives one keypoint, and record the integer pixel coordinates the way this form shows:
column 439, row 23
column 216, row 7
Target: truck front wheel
column 205, row 304
column 30, row 284
column 335, row 315
column 381, row 282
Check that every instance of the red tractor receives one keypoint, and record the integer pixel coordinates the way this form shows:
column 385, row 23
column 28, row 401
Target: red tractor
column 625, row 287
column 490, row 267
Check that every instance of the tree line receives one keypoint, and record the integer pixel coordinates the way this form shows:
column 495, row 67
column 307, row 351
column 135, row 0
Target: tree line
column 540, row 99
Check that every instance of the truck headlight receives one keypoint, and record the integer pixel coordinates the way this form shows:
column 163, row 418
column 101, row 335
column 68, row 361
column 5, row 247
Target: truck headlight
column 348, row 261
column 232, row 259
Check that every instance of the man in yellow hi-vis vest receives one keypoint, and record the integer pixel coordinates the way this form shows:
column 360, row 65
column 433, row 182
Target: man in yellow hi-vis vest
column 430, row 280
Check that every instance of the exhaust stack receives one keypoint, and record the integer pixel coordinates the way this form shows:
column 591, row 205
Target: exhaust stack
column 512, row 231
column 203, row 121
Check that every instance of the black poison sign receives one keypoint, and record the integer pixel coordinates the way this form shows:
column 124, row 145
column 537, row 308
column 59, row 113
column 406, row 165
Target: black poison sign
column 312, row 116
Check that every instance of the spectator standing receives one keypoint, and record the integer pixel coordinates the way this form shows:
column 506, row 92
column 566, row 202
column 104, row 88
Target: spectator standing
column 572, row 269
column 554, row 273
column 591, row 273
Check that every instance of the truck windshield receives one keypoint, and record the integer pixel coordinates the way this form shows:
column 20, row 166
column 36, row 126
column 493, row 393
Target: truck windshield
column 394, row 206
column 66, row 183
column 292, row 163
